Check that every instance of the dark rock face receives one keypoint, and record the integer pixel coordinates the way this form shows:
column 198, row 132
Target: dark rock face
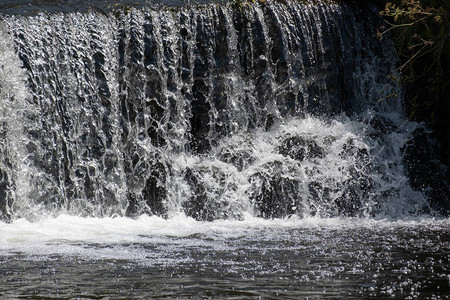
column 208, row 200
column 300, row 148
column 196, row 207
column 6, row 182
column 155, row 191
column 359, row 184
column 152, row 195
column 426, row 173
column 276, row 196
column 4, row 196
column 381, row 124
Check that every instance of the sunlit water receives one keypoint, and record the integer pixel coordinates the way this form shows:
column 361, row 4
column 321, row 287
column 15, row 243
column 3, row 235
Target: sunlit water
column 86, row 258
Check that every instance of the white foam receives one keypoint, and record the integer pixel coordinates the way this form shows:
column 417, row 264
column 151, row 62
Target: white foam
column 126, row 238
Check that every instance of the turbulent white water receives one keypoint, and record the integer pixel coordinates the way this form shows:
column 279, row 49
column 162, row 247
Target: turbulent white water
column 216, row 112
column 125, row 238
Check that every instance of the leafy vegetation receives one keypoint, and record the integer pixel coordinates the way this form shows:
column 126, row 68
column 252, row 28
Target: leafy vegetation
column 421, row 31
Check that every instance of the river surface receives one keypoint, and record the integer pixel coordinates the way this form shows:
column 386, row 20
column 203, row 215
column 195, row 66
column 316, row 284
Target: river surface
column 119, row 258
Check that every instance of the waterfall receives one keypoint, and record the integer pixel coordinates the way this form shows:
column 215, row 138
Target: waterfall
column 216, row 111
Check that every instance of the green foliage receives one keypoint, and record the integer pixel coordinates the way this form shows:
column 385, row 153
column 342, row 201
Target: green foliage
column 418, row 30
column 421, row 31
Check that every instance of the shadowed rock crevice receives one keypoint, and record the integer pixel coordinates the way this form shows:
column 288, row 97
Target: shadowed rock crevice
column 425, row 171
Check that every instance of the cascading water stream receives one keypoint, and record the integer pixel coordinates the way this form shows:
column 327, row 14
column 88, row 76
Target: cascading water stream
column 214, row 111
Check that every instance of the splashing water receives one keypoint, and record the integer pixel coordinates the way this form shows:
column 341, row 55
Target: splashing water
column 214, row 111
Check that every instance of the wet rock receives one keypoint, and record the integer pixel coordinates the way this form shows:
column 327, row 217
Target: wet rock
column 360, row 154
column 382, row 124
column 356, row 189
column 149, row 197
column 277, row 198
column 270, row 121
column 425, row 171
column 196, row 207
column 5, row 196
column 154, row 191
column 344, row 200
column 208, row 185
column 274, row 195
column 300, row 148
column 353, row 193
column 348, row 148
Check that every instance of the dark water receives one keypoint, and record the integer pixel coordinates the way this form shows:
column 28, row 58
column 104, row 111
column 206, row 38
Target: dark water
column 253, row 259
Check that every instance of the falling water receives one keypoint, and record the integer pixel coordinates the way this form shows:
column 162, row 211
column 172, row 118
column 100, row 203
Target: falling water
column 214, row 111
